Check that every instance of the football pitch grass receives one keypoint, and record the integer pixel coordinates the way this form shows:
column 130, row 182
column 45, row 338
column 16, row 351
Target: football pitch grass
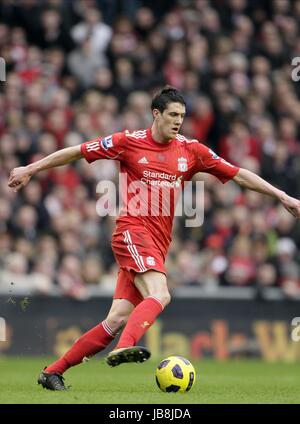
column 230, row 382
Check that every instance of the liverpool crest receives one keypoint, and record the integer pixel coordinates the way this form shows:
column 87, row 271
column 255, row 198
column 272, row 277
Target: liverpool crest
column 182, row 164
column 150, row 261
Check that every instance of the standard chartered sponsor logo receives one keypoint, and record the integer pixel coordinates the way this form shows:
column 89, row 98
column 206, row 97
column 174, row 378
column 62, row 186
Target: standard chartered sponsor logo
column 165, row 180
column 162, row 183
column 162, row 175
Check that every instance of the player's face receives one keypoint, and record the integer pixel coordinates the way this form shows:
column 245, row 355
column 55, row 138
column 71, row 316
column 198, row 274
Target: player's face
column 170, row 121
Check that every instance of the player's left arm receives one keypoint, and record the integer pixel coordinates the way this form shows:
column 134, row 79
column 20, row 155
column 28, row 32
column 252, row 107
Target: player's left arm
column 249, row 180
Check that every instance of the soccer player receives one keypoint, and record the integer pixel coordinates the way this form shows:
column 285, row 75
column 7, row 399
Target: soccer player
column 154, row 157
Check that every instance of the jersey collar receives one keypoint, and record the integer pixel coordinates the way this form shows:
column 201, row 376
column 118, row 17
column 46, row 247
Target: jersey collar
column 161, row 145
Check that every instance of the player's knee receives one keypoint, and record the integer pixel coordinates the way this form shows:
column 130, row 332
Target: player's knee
column 153, row 283
column 116, row 321
column 166, row 299
column 163, row 297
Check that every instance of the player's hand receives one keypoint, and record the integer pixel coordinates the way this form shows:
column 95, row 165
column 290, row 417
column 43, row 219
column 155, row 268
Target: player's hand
column 19, row 177
column 292, row 205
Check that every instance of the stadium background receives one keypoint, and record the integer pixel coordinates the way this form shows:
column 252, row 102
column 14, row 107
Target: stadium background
column 76, row 70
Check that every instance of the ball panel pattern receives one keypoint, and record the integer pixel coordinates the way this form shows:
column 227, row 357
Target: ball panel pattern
column 191, row 381
column 177, row 371
column 172, row 388
column 163, row 364
column 157, row 382
column 184, row 360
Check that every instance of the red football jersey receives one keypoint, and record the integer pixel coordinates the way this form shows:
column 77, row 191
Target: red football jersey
column 155, row 173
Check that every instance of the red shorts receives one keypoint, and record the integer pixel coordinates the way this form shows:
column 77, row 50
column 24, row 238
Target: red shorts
column 135, row 252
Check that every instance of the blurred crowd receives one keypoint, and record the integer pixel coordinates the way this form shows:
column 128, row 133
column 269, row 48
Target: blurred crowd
column 76, row 70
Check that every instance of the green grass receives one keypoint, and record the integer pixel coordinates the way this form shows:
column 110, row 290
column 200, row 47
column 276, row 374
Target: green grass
column 236, row 381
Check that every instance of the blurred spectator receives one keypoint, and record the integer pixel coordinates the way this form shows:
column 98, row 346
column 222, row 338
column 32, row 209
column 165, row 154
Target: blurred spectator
column 16, row 280
column 239, row 144
column 53, row 32
column 241, row 267
column 83, row 63
column 69, row 278
column 288, row 267
column 266, row 275
column 202, row 118
column 93, row 29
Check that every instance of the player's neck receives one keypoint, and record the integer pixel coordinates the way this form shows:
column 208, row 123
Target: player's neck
column 157, row 136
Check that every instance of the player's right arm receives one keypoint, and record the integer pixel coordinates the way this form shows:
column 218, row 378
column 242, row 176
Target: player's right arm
column 20, row 176
column 111, row 147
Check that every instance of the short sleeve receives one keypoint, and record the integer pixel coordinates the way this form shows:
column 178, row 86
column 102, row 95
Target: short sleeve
column 111, row 147
column 208, row 161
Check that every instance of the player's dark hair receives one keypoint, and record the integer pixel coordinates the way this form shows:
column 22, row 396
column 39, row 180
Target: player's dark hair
column 167, row 95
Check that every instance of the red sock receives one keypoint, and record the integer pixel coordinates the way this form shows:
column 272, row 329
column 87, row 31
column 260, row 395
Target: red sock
column 141, row 318
column 87, row 345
